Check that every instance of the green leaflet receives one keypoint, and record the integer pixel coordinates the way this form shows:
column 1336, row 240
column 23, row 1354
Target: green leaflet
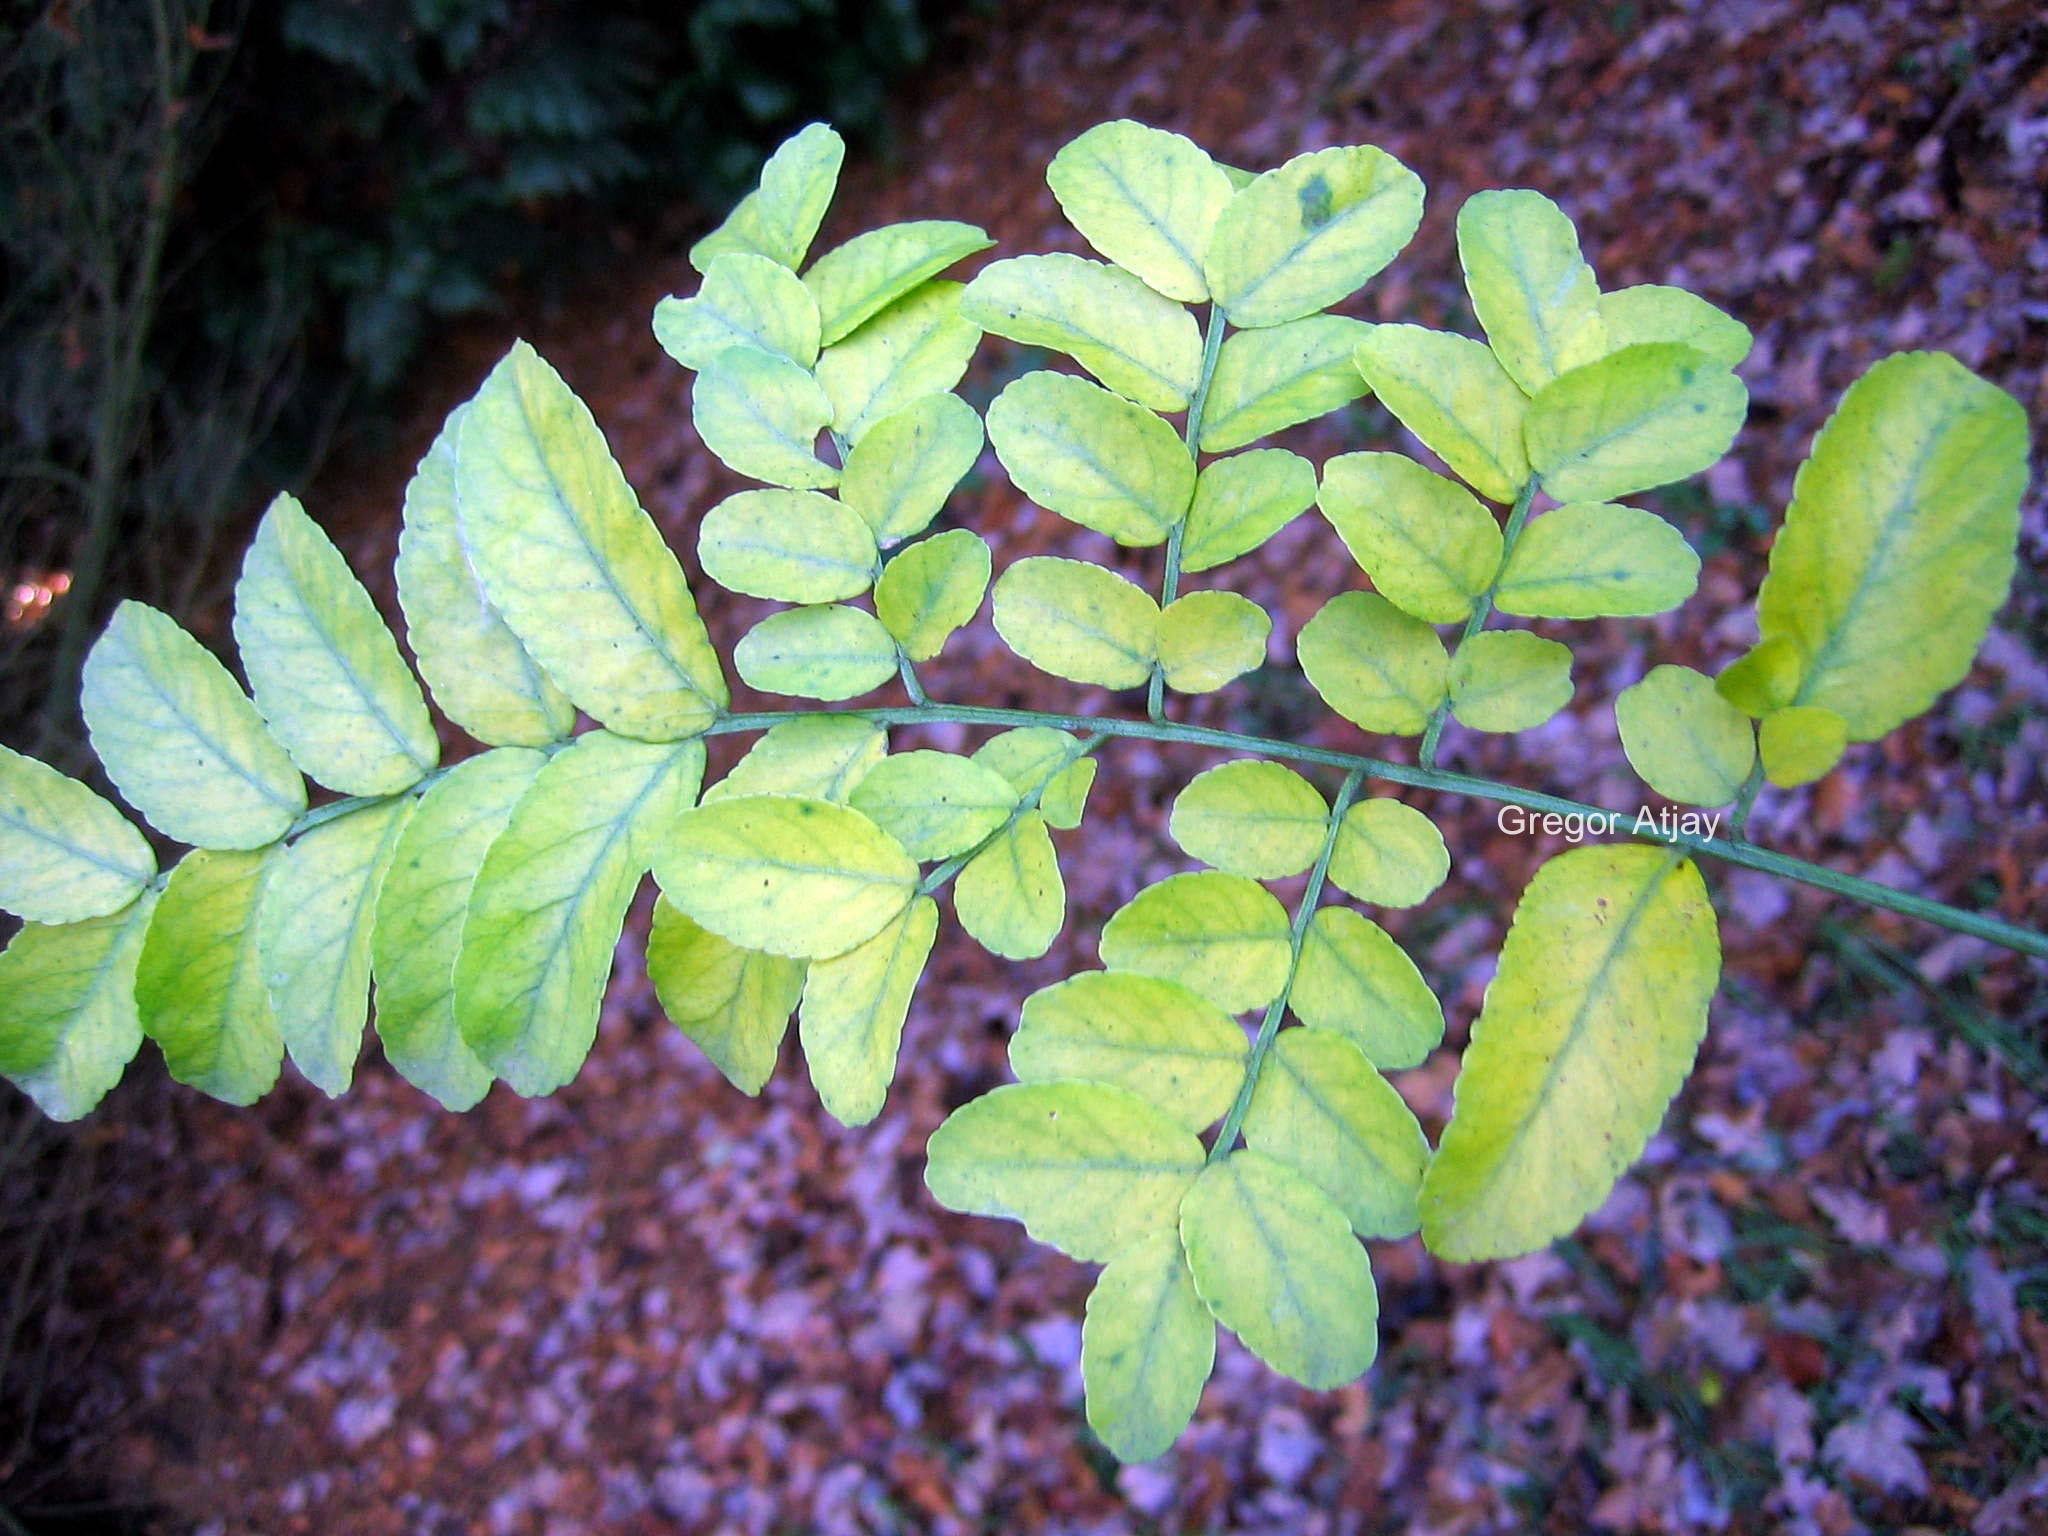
column 853, row 1010
column 68, row 1027
column 1302, row 237
column 1389, row 854
column 899, row 475
column 1430, row 548
column 931, row 589
column 1321, row 1109
column 734, row 1003
column 1765, row 679
column 1030, row 757
column 1271, row 379
column 181, row 742
column 199, row 982
column 1077, row 621
column 1010, row 897
column 1223, row 935
column 744, row 301
column 791, row 546
column 1242, row 501
column 1088, row 1168
column 1453, row 394
column 856, row 281
column 916, row 347
column 1251, row 818
column 417, row 931
column 780, row 218
column 1652, row 312
column 1277, row 1265
column 1530, row 287
column 1144, row 347
column 577, row 569
column 1066, row 794
column 1801, row 744
column 933, row 803
column 1373, row 664
column 1206, row 639
column 1685, row 740
column 822, row 757
column 1592, row 560
column 1898, row 546
column 1147, row 1347
column 65, row 854
column 1588, row 1029
column 761, row 415
column 1640, row 417
column 1170, row 1046
column 481, row 675
column 1091, row 456
column 1145, row 198
column 1354, row 979
column 830, row 652
column 545, row 913
column 784, row 873
column 313, row 938
column 1509, row 680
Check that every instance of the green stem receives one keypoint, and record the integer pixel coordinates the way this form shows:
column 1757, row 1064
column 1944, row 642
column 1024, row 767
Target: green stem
column 908, row 673
column 1745, row 802
column 941, row 873
column 1482, row 610
column 1169, row 581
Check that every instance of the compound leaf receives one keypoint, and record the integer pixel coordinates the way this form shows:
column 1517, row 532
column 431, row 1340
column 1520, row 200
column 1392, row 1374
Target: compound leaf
column 65, row 853
column 1801, row 744
column 744, row 301
column 1453, row 394
column 1685, row 740
column 931, row 589
column 1640, row 417
column 791, row 546
column 1373, row 664
column 1223, row 935
column 1509, row 680
column 1428, row 545
column 1010, row 897
column 1143, row 346
column 1077, row 621
column 1389, row 854
column 822, row 757
column 854, row 1005
column 733, row 1003
column 1145, row 198
column 1530, row 287
column 934, row 803
column 899, row 475
column 1242, row 501
column 1355, row 980
column 916, row 347
column 856, row 281
column 780, row 217
column 68, row 1026
column 1593, row 560
column 761, row 415
column 830, row 652
column 1147, row 1347
column 1170, row 1046
column 1206, row 639
column 1270, row 379
column 1091, row 456
column 1653, row 312
column 1251, row 818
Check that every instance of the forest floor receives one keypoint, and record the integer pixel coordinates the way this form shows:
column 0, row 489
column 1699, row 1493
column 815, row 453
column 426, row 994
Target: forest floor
column 649, row 1304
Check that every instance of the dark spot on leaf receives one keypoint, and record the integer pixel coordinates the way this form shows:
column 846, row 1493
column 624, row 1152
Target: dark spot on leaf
column 1318, row 202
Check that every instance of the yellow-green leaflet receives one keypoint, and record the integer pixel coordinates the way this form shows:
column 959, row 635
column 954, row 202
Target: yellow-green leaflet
column 792, row 546
column 1589, row 1028
column 1653, row 312
column 1428, row 546
column 1066, row 794
column 784, row 873
column 1170, row 1046
column 199, row 982
column 1143, row 346
column 1251, row 817
column 1145, row 198
column 1688, row 743
column 1509, row 680
column 1091, row 456
column 1242, row 501
column 1277, row 1265
column 734, row 1003
column 934, row 803
column 180, row 740
column 1376, row 666
column 899, row 475
column 65, row 854
column 781, row 216
column 577, row 569
column 1593, row 560
column 1077, row 621
column 1640, row 417
column 545, row 912
column 1223, row 935
column 870, row 272
column 1453, row 394
column 1321, row 1109
column 1147, row 1347
column 68, row 1027
column 1302, row 237
column 1763, row 680
column 831, row 652
column 744, row 301
column 918, row 346
column 1087, row 1167
column 1898, row 546
column 1010, row 897
column 1270, row 379
column 1801, row 744
column 418, row 927
column 1530, row 287
column 931, row 589
column 1354, row 979
column 761, row 415
column 1389, row 854
column 325, row 671
column 823, row 757
column 480, row 673
column 313, row 937
column 854, row 1005
column 1029, row 757
column 1208, row 638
